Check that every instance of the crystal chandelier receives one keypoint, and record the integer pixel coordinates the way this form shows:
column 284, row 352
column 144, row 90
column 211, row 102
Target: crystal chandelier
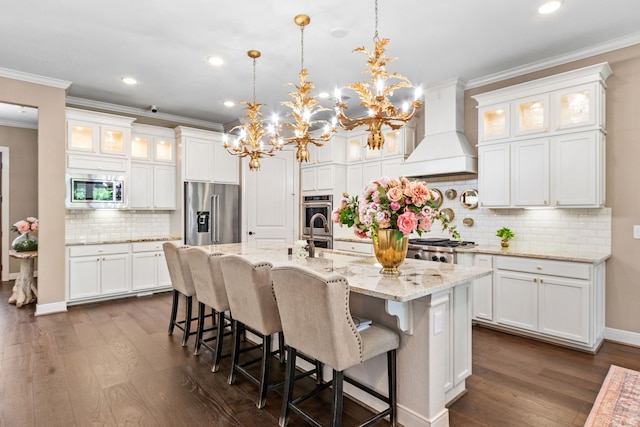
column 249, row 140
column 304, row 107
column 375, row 95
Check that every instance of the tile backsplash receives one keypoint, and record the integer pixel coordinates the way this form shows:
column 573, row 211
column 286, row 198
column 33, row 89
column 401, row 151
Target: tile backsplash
column 581, row 230
column 97, row 226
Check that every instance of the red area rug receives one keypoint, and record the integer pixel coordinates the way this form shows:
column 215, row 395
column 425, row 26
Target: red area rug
column 618, row 402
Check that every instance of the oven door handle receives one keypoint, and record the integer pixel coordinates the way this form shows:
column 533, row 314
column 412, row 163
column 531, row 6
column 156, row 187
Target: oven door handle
column 318, row 238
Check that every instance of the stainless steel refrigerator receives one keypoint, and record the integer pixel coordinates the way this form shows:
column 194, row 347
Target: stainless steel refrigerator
column 212, row 213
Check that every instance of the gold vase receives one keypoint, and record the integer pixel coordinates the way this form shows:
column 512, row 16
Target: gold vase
column 390, row 251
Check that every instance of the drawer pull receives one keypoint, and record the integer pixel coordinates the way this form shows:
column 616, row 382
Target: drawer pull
column 538, row 268
column 535, row 280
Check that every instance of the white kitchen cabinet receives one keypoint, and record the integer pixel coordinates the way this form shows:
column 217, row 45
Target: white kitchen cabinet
column 91, row 163
column 578, row 178
column 149, row 267
column 152, row 186
column 494, row 175
column 204, row 157
column 557, row 132
column 91, row 132
column 517, row 300
column 483, row 289
column 98, row 270
column 558, row 301
column 333, row 151
column 530, row 166
column 153, row 144
column 391, row 168
column 323, row 179
column 355, row 247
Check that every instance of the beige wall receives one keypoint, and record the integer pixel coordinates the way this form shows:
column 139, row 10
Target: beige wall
column 623, row 175
column 23, row 177
column 50, row 102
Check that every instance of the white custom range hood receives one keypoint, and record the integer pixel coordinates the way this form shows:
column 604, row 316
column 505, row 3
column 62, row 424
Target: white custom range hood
column 444, row 149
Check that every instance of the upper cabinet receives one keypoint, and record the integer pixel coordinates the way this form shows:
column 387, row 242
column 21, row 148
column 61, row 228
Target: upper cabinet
column 90, row 132
column 153, row 144
column 204, row 157
column 542, row 143
column 397, row 144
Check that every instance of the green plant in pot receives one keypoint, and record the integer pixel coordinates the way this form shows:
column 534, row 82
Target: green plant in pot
column 505, row 234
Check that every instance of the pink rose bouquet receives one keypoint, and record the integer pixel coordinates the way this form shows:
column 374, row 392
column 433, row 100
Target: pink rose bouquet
column 408, row 206
column 25, row 225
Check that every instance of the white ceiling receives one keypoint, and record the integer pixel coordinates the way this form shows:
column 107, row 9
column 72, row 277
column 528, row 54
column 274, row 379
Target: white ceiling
column 164, row 44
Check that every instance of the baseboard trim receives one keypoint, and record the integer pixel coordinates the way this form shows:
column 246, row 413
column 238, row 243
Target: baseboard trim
column 621, row 336
column 51, row 308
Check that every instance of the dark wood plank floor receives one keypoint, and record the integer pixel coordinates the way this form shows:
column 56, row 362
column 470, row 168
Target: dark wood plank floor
column 113, row 364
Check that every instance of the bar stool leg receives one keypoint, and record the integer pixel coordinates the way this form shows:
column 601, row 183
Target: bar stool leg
column 289, row 379
column 281, row 347
column 174, row 311
column 200, row 330
column 264, row 369
column 336, row 402
column 235, row 351
column 219, row 338
column 393, row 389
column 187, row 322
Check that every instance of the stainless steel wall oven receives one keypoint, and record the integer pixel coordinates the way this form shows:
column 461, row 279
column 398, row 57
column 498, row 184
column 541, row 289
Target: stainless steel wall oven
column 311, row 205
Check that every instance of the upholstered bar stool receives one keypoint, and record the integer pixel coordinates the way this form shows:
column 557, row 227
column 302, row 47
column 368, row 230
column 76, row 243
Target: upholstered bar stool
column 210, row 292
column 252, row 306
column 182, row 284
column 316, row 320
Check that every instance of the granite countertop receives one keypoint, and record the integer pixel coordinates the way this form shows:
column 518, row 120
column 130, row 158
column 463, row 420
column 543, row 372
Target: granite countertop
column 551, row 254
column 417, row 279
column 107, row 242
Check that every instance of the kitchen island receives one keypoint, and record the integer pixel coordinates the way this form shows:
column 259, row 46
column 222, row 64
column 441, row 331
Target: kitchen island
column 429, row 303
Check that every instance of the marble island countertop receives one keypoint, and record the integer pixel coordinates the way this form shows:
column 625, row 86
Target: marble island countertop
column 417, row 279
column 103, row 242
column 541, row 253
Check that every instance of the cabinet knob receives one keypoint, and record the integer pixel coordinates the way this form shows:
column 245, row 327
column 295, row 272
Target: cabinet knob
column 546, row 203
column 538, row 268
column 535, row 280
column 540, row 280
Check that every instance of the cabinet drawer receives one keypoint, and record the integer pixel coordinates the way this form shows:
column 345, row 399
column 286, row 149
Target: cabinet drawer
column 96, row 163
column 89, row 250
column 551, row 268
column 363, row 248
column 148, row 246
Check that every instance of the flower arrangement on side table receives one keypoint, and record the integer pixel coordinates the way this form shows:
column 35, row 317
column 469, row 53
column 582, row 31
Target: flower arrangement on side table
column 387, row 212
column 26, row 241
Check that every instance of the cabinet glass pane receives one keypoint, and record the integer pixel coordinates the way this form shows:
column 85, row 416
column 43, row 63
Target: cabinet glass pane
column 113, row 141
column 531, row 116
column 355, row 149
column 392, row 142
column 574, row 108
column 81, row 138
column 495, row 123
column 139, row 147
column 164, row 150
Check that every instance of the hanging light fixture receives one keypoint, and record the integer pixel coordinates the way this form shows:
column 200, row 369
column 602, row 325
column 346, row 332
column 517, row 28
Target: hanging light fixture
column 249, row 141
column 375, row 95
column 304, row 107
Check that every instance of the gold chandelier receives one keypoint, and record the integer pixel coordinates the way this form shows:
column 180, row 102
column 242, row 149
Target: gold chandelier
column 375, row 95
column 304, row 107
column 249, row 141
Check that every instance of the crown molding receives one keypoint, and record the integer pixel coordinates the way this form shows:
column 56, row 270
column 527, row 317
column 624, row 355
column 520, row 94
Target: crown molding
column 553, row 61
column 105, row 106
column 18, row 124
column 34, row 78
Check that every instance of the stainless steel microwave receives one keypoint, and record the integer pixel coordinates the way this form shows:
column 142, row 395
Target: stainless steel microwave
column 96, row 191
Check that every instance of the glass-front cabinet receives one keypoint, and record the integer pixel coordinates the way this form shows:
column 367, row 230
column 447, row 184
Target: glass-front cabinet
column 577, row 107
column 152, row 148
column 91, row 132
column 532, row 115
column 494, row 122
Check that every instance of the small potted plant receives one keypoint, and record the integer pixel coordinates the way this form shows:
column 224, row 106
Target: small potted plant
column 505, row 234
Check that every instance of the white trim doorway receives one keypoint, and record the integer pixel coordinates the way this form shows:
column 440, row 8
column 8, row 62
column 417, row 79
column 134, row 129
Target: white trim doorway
column 4, row 151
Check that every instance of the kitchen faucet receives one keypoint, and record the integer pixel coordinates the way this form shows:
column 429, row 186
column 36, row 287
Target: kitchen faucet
column 312, row 246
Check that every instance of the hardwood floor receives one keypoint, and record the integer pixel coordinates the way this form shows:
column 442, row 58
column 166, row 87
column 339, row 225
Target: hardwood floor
column 113, row 364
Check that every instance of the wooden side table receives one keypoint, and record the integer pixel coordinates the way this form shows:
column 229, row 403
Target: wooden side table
column 25, row 289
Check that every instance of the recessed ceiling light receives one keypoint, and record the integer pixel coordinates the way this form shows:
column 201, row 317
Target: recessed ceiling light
column 549, row 7
column 339, row 33
column 216, row 61
column 323, row 95
column 129, row 80
column 229, row 103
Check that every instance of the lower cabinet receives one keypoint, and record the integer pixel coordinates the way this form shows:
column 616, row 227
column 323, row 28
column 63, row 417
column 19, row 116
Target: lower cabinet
column 559, row 301
column 356, row 247
column 96, row 272
column 149, row 266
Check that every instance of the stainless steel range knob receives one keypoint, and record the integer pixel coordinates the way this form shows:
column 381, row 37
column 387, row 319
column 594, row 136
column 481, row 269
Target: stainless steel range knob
column 417, row 256
column 443, row 259
column 434, row 258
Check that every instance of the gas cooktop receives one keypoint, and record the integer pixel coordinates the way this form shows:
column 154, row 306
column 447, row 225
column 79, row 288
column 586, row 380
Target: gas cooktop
column 440, row 243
